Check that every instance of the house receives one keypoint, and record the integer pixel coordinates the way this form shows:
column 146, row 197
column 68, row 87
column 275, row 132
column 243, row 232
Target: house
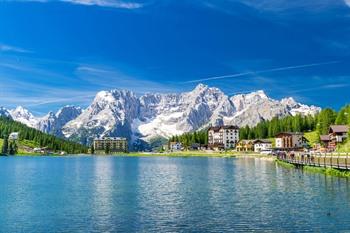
column 175, row 146
column 337, row 134
column 262, row 145
column 116, row 144
column 325, row 140
column 290, row 140
column 14, row 136
column 245, row 145
column 223, row 137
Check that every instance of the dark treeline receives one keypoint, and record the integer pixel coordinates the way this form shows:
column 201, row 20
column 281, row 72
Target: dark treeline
column 319, row 123
column 268, row 129
column 187, row 139
column 8, row 126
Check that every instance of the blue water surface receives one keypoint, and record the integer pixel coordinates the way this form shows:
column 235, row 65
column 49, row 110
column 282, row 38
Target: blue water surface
column 162, row 194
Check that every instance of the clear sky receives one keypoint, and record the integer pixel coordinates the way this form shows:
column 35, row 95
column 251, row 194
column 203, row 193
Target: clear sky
column 54, row 53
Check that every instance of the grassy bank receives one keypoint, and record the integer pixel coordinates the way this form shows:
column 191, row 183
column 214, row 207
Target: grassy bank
column 284, row 164
column 311, row 169
column 327, row 171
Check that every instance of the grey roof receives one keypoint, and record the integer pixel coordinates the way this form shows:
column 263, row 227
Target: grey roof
column 217, row 128
column 262, row 141
column 338, row 129
column 325, row 138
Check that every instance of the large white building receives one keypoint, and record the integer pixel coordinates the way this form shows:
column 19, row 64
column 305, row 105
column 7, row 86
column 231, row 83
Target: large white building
column 114, row 144
column 223, row 137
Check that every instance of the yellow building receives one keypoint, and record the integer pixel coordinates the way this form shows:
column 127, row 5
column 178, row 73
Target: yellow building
column 245, row 145
column 111, row 144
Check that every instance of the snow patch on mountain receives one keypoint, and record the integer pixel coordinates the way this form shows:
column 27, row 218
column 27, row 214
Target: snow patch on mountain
column 22, row 115
column 122, row 113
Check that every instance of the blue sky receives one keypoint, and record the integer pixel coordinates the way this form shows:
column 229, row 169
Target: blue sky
column 54, row 53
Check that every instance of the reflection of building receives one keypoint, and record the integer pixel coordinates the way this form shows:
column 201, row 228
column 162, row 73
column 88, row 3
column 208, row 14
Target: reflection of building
column 262, row 144
column 223, row 137
column 288, row 140
column 14, row 136
column 245, row 145
column 112, row 144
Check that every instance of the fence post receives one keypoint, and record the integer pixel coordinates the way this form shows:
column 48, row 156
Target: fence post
column 338, row 160
column 346, row 161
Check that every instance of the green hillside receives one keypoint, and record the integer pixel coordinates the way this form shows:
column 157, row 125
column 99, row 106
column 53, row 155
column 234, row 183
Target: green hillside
column 30, row 138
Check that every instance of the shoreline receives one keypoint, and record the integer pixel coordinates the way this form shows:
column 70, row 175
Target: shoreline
column 151, row 154
column 320, row 170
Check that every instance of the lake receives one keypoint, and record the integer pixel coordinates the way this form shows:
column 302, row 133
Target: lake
column 163, row 194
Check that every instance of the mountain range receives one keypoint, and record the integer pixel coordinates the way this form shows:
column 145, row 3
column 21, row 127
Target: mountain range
column 150, row 116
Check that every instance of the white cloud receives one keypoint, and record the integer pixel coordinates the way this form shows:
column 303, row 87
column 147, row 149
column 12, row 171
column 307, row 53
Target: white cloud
column 106, row 3
column 347, row 2
column 285, row 68
column 9, row 48
column 278, row 7
column 102, row 3
column 283, row 5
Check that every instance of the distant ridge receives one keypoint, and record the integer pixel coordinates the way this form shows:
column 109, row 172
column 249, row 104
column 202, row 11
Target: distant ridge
column 122, row 113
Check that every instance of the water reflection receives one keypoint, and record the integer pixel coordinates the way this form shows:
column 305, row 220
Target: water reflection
column 120, row 194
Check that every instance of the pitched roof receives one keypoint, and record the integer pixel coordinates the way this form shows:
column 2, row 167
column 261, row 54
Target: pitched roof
column 217, row 128
column 325, row 138
column 338, row 129
column 262, row 141
column 229, row 127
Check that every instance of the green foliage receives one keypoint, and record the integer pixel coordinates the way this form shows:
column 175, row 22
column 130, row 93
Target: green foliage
column 4, row 148
column 313, row 137
column 326, row 118
column 12, row 148
column 92, row 149
column 187, row 139
column 27, row 134
column 269, row 129
column 343, row 117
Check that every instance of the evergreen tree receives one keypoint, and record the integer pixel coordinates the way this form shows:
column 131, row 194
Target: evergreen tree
column 11, row 149
column 326, row 118
column 92, row 149
column 15, row 148
column 4, row 149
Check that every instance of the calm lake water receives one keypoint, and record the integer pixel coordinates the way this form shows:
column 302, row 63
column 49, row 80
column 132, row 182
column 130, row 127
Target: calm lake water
column 159, row 194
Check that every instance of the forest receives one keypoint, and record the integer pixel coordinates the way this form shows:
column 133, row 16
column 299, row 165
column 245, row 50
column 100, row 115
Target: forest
column 8, row 126
column 268, row 129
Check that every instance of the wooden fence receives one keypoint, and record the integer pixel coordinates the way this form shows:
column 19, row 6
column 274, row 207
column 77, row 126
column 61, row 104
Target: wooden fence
column 339, row 161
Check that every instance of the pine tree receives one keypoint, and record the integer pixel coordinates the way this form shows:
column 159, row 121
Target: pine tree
column 4, row 149
column 92, row 149
column 11, row 149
